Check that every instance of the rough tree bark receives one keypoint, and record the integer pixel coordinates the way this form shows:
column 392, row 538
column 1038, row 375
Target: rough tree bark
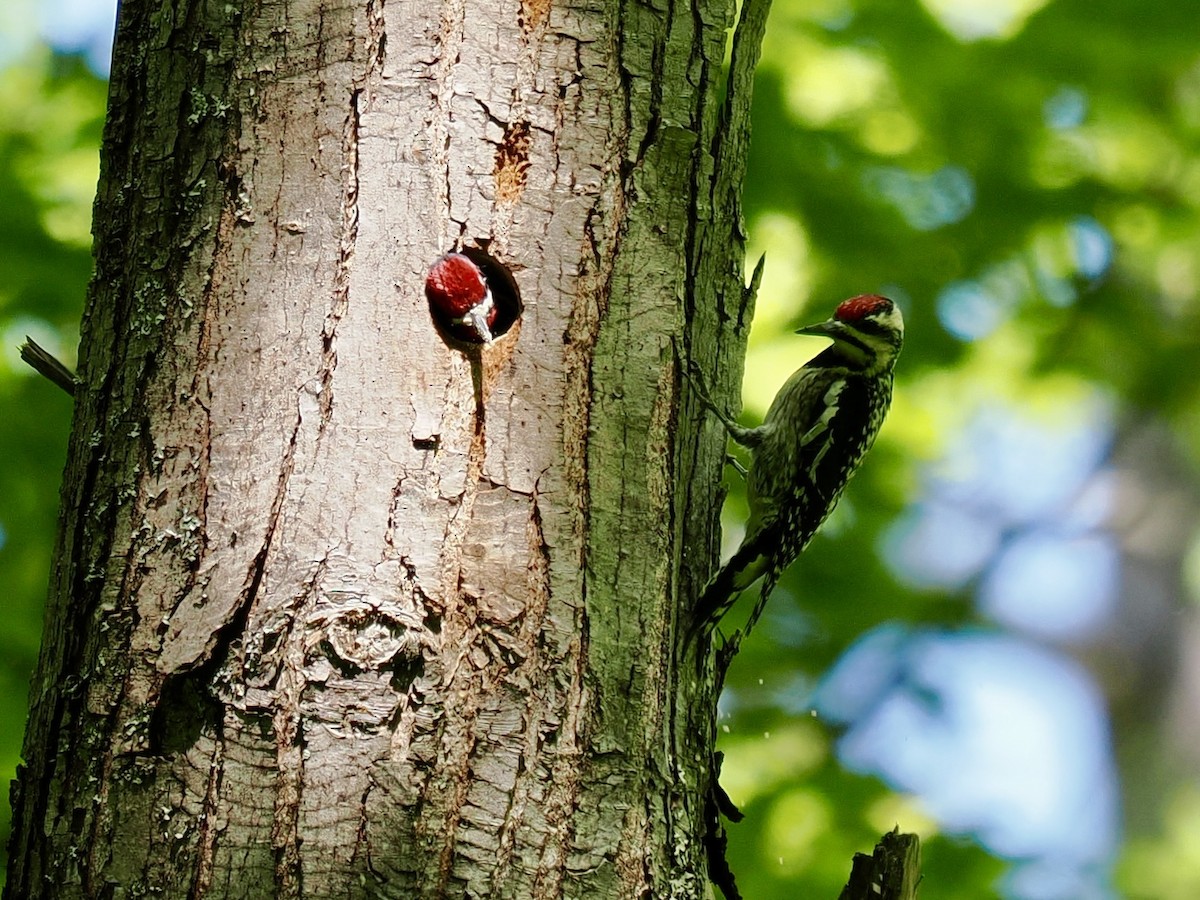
column 332, row 614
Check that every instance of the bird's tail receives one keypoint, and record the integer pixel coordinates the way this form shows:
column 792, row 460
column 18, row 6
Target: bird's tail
column 742, row 570
column 770, row 579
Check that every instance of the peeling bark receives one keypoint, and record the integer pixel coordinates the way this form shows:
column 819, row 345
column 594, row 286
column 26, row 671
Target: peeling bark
column 338, row 610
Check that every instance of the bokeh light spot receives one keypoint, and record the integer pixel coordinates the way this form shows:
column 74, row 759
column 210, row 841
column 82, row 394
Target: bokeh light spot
column 1093, row 246
column 937, row 545
column 826, row 84
column 82, row 26
column 926, row 202
column 972, row 20
column 968, row 311
column 1054, row 586
column 795, row 824
column 1067, row 108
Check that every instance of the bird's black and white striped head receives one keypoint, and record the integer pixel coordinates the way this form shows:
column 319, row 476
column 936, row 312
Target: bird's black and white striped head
column 867, row 333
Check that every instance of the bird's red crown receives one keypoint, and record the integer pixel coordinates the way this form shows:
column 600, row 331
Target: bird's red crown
column 858, row 308
column 455, row 285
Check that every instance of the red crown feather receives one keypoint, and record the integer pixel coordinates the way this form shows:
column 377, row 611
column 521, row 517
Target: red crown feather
column 860, row 307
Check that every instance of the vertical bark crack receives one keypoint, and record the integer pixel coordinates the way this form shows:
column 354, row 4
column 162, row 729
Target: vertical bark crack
column 346, row 245
column 206, row 844
column 258, row 566
column 566, row 776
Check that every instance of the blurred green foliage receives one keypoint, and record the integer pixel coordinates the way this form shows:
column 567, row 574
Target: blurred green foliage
column 898, row 146
column 51, row 115
column 1045, row 157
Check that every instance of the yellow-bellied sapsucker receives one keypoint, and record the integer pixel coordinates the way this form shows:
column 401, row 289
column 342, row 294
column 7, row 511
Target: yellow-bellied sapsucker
column 819, row 426
column 458, row 292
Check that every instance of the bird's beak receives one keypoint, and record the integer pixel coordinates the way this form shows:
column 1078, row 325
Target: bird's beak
column 830, row 328
column 478, row 321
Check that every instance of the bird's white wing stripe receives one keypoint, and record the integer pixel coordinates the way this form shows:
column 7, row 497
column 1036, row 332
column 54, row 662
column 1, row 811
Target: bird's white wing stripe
column 822, row 424
column 821, row 429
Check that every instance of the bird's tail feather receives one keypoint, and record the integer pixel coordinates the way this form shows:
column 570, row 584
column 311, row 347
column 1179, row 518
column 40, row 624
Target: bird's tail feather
column 742, row 570
column 768, row 585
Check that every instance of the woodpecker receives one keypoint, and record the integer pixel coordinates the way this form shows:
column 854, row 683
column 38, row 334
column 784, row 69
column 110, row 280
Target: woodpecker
column 460, row 296
column 814, row 436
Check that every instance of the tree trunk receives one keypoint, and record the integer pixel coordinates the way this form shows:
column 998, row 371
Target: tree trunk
column 891, row 872
column 339, row 609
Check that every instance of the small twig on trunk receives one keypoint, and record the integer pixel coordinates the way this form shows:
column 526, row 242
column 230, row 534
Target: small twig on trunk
column 45, row 363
